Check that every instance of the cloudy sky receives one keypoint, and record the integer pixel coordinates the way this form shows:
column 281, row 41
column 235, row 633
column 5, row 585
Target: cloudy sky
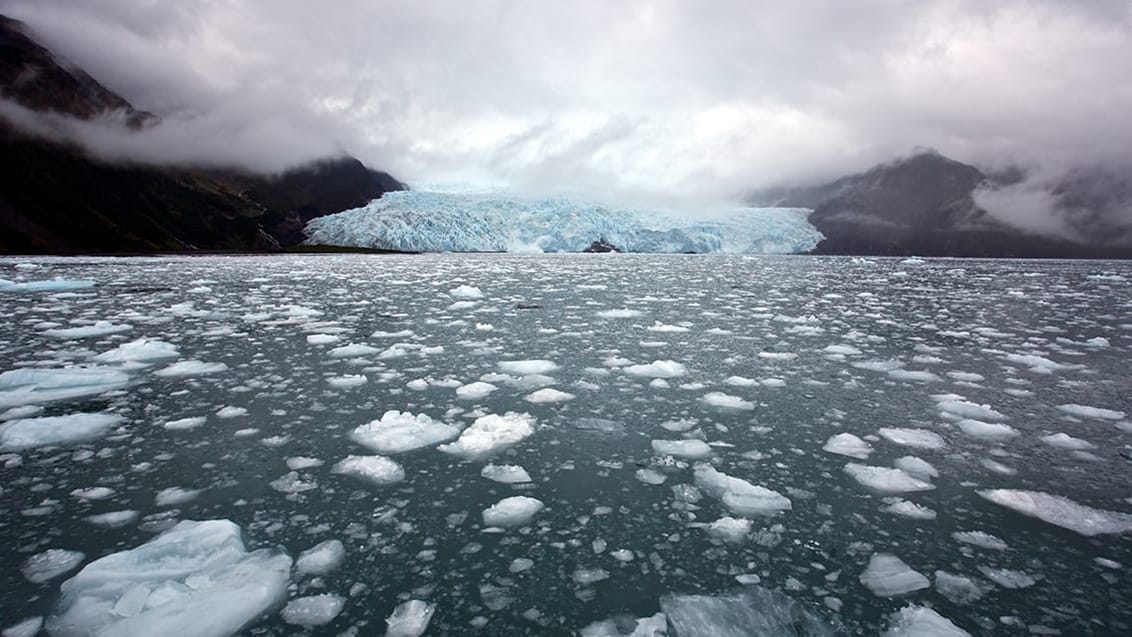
column 635, row 97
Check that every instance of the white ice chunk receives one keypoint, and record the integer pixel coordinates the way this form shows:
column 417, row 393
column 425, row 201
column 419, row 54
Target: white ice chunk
column 229, row 411
column 99, row 328
column 465, row 292
column 93, row 493
column 730, row 529
column 143, row 350
column 399, row 432
column 527, row 367
column 197, row 574
column 1065, row 441
column 28, row 386
column 320, row 559
column 727, row 401
column 50, row 285
column 916, row 467
column 980, row 539
column 490, row 434
column 377, row 470
column 619, row 313
column 1061, row 511
column 113, row 519
column 737, row 494
column 917, row 438
column 29, row 627
column 409, row 619
column 512, row 512
column 958, row 589
column 191, row 368
column 888, row 576
column 474, row 391
column 50, row 564
column 182, row 424
column 907, row 509
column 347, row 381
column 353, row 350
column 692, row 449
column 657, row 369
column 965, row 409
column 752, row 611
column 548, row 395
column 505, row 473
column 987, row 430
column 1008, row 578
column 1085, row 411
column 846, row 444
column 313, row 610
column 886, row 479
column 920, row 621
column 27, row 433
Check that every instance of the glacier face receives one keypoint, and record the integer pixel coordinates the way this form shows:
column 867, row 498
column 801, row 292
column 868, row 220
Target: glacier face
column 440, row 221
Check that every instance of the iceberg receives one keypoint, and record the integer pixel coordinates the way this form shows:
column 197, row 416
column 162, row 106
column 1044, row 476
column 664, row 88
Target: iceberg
column 432, row 221
column 196, row 577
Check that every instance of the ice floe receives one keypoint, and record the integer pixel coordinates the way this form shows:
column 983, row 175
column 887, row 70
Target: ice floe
column 737, row 494
column 400, row 432
column 28, row 433
column 490, row 434
column 657, row 369
column 921, row 621
column 191, row 368
column 1061, row 511
column 50, row 564
column 313, row 610
column 886, row 479
column 29, row 386
column 846, row 444
column 511, row 512
column 917, row 438
column 888, row 576
column 142, row 350
column 377, row 470
column 727, row 401
column 409, row 619
column 1085, row 411
column 505, row 473
column 692, row 449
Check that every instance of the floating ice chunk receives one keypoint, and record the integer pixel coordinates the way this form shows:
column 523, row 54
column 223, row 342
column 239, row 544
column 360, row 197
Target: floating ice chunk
column 958, row 589
column 1061, row 511
column 113, row 519
column 28, row 433
column 965, row 409
column 400, row 334
column 465, row 292
column 886, row 479
column 93, row 493
column 846, row 444
column 587, row 576
column 727, row 401
column 693, row 449
column 229, row 411
column 491, row 433
column 505, row 473
column 377, row 470
column 1084, row 411
column 1040, row 364
column 980, row 539
column 320, row 559
column 29, row 627
column 619, row 313
column 191, row 368
column 409, row 619
column 52, row 285
column 844, row 350
column 520, row 564
column 657, row 326
column 313, row 610
column 740, row 381
column 512, row 512
column 988, row 430
column 752, row 611
column 28, row 386
column 654, row 626
column 967, row 377
column 548, row 395
column 474, row 391
column 888, row 576
column 1008, row 578
column 1065, row 441
column 50, row 564
column 353, row 350
column 730, row 529
column 657, row 369
column 879, row 366
column 917, row 438
column 920, row 621
column 526, row 367
column 399, row 432
column 175, row 496
column 650, row 476
column 299, row 463
column 463, row 305
column 197, row 574
column 347, row 381
column 737, row 494
column 182, row 424
column 143, row 350
column 908, row 509
column 920, row 376
column 916, row 467
column 323, row 339
column 100, row 328
column 998, row 467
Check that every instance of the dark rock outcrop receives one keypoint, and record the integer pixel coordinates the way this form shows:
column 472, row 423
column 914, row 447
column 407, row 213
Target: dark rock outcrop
column 54, row 197
column 601, row 245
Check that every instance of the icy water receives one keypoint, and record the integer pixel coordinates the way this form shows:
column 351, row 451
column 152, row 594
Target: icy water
column 809, row 445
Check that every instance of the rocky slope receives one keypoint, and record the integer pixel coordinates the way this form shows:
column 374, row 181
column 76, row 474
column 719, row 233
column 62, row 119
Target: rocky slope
column 56, row 198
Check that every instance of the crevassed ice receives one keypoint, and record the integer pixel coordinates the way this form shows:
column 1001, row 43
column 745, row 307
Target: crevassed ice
column 196, row 574
column 424, row 221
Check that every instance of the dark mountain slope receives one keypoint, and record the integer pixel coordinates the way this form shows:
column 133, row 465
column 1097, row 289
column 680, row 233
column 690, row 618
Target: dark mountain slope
column 56, row 198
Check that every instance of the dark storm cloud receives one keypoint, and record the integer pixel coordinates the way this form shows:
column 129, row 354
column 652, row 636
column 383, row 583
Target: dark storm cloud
column 634, row 98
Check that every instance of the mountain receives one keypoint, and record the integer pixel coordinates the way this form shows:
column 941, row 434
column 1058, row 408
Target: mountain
column 922, row 205
column 54, row 197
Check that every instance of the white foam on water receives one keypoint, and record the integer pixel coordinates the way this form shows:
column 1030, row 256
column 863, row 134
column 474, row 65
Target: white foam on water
column 490, row 434
column 197, row 574
column 888, row 576
column 512, row 512
column 886, row 479
column 1061, row 511
column 691, row 449
column 376, row 470
column 43, row 431
column 400, row 432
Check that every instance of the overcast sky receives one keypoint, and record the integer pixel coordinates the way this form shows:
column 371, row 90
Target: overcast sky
column 638, row 98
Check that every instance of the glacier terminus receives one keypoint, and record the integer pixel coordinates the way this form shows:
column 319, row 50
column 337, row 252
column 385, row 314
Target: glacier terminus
column 496, row 221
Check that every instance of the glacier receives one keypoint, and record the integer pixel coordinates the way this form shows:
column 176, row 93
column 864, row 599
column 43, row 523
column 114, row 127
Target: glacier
column 497, row 221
